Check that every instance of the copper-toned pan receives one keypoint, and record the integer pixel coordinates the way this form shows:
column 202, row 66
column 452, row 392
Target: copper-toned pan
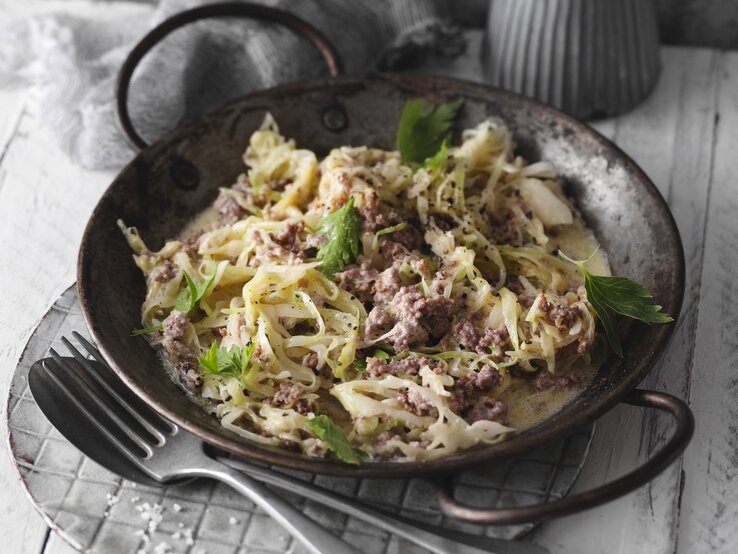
column 173, row 179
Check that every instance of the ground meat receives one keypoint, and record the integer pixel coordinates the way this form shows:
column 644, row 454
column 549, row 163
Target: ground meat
column 176, row 325
column 488, row 409
column 545, row 380
column 464, row 387
column 392, row 251
column 191, row 244
column 406, row 334
column 434, row 313
column 437, row 314
column 563, row 317
column 373, row 216
column 410, row 365
column 310, row 360
column 409, row 237
column 386, row 285
column 268, row 252
column 176, row 349
column 416, row 319
column 190, row 373
column 289, row 237
column 289, row 395
column 471, row 337
column 229, row 209
column 378, row 322
column 487, row 378
column 359, row 281
column 166, row 272
column 314, row 241
column 417, row 403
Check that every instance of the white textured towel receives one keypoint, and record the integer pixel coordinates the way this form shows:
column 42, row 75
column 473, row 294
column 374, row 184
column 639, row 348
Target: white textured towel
column 71, row 62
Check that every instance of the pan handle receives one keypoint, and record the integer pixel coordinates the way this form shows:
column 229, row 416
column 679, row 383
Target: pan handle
column 225, row 9
column 594, row 497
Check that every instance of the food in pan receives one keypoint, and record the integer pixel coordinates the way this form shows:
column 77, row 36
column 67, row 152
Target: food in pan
column 385, row 305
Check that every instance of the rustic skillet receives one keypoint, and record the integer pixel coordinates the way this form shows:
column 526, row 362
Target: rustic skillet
column 172, row 180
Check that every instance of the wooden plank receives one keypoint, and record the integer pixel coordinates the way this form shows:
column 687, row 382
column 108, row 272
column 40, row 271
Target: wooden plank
column 709, row 508
column 670, row 136
column 44, row 204
column 57, row 545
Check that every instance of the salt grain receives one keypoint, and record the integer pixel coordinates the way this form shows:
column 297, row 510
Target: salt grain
column 232, row 520
column 176, row 507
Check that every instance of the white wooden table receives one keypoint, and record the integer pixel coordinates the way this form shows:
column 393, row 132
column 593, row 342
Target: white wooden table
column 685, row 135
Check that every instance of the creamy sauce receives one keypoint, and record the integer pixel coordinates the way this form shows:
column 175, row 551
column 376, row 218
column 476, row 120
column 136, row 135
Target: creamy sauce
column 527, row 408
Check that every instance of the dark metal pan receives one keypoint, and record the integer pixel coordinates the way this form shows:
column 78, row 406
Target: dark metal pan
column 172, row 180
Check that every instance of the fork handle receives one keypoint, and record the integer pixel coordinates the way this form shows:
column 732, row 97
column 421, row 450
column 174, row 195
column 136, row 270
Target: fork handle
column 316, row 538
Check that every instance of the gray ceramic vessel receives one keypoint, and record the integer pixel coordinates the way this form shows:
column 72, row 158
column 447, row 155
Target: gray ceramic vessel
column 588, row 58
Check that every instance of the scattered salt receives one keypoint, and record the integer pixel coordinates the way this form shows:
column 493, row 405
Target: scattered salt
column 162, row 548
column 232, row 520
column 135, row 499
column 176, row 507
column 113, row 499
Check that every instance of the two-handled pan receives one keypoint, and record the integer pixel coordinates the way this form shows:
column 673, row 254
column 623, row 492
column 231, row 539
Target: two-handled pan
column 173, row 179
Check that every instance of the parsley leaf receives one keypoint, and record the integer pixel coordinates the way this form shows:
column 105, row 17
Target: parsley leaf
column 439, row 158
column 420, row 135
column 361, row 363
column 341, row 228
column 610, row 296
column 147, row 330
column 381, row 355
column 331, row 435
column 233, row 361
column 189, row 296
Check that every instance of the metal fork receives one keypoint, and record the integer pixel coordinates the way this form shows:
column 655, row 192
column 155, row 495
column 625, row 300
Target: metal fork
column 166, row 453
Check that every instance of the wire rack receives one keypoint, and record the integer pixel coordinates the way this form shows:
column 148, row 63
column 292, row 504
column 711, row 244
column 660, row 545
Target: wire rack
column 97, row 511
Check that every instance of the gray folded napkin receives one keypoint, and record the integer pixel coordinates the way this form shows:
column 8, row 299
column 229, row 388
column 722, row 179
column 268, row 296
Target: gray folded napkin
column 71, row 62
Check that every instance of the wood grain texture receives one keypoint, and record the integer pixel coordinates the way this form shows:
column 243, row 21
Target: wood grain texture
column 670, row 136
column 709, row 502
column 44, row 203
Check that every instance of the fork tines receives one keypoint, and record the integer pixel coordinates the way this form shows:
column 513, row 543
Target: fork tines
column 107, row 404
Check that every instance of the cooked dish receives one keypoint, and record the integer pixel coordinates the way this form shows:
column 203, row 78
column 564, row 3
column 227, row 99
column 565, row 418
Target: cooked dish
column 377, row 304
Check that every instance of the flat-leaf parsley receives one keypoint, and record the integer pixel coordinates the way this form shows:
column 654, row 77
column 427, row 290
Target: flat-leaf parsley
column 422, row 134
column 610, row 295
column 341, row 229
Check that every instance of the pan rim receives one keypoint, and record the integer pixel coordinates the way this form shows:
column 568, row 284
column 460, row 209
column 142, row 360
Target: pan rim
column 658, row 337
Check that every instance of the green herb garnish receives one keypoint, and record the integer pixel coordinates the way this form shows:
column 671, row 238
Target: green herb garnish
column 386, row 231
column 189, row 296
column 610, row 296
column 439, row 158
column 360, row 363
column 233, row 361
column 381, row 355
column 147, row 330
column 420, row 135
column 341, row 229
column 335, row 440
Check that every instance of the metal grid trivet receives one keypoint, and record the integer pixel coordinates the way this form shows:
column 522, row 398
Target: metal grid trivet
column 97, row 511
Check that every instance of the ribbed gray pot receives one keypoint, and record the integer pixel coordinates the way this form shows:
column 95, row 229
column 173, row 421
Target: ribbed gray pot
column 589, row 58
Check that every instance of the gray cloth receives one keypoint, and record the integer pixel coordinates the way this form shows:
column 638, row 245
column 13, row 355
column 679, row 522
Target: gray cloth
column 71, row 62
